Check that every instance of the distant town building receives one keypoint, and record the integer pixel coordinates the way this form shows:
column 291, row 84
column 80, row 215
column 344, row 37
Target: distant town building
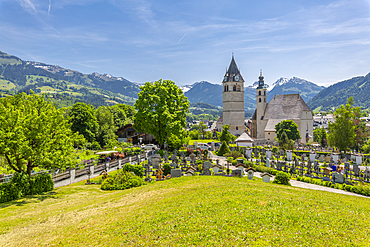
column 281, row 107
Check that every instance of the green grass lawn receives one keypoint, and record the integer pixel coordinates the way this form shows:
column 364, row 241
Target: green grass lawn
column 187, row 211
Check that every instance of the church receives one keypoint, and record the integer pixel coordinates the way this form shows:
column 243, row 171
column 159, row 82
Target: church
column 267, row 114
column 281, row 107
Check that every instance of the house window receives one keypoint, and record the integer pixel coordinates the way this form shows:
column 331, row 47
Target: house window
column 259, row 99
column 236, row 128
column 234, row 88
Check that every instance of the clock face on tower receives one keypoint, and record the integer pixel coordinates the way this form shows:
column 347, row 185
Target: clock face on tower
column 236, row 78
column 225, row 78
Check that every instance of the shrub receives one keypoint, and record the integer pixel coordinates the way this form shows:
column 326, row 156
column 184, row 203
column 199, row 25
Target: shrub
column 234, row 154
column 223, row 149
column 160, row 152
column 138, row 170
column 121, row 180
column 265, row 169
column 166, row 169
column 282, row 178
column 21, row 185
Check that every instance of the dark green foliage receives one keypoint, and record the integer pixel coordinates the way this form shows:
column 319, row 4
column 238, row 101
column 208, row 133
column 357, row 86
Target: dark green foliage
column 166, row 169
column 223, row 149
column 133, row 151
column 337, row 94
column 226, row 135
column 262, row 169
column 137, row 169
column 121, row 180
column 290, row 128
column 234, row 154
column 285, row 143
column 282, row 178
column 21, row 185
column 84, row 120
column 320, row 136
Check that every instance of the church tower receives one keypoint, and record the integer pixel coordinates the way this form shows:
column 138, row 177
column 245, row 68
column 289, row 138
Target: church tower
column 261, row 106
column 233, row 99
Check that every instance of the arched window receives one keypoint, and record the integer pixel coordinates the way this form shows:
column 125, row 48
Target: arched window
column 234, row 88
column 265, row 100
column 224, row 88
column 238, row 88
column 236, row 127
column 264, row 93
column 259, row 92
column 306, row 127
column 260, row 100
column 227, row 87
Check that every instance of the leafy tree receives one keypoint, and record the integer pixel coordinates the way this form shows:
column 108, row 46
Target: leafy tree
column 107, row 128
column 290, row 128
column 366, row 147
column 33, row 133
column 285, row 143
column 83, row 120
column 122, row 114
column 194, row 134
column 342, row 132
column 226, row 135
column 161, row 110
column 320, row 136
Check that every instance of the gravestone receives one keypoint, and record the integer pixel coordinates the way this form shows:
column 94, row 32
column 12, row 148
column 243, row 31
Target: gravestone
column 166, row 156
column 173, row 165
column 316, row 167
column 296, row 162
column 356, row 170
column 289, row 155
column 192, row 159
column 268, row 154
column 250, row 172
column 312, row 156
column 213, row 146
column 328, row 158
column 335, row 157
column 175, row 173
column 206, row 166
column 321, row 158
column 367, row 174
column 358, row 159
column 346, row 168
column 309, row 167
column 279, row 166
column 236, row 173
column 248, row 153
column 267, row 162
column 337, row 178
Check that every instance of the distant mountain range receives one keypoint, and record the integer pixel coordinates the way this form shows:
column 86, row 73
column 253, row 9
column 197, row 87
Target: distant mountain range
column 212, row 93
column 65, row 87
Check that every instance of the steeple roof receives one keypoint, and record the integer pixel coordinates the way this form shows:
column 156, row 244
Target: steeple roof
column 232, row 72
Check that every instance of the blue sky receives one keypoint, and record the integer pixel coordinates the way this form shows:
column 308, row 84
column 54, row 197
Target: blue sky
column 189, row 41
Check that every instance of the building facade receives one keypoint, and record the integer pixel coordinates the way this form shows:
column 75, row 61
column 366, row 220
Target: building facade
column 233, row 101
column 281, row 107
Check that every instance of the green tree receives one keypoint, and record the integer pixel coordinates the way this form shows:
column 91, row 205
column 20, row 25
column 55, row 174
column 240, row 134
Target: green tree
column 107, row 128
column 82, row 117
column 122, row 114
column 161, row 110
column 226, row 135
column 342, row 132
column 224, row 149
column 320, row 136
column 285, row 143
column 33, row 133
column 290, row 128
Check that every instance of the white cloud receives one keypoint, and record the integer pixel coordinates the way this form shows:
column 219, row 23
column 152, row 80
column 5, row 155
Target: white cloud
column 28, row 6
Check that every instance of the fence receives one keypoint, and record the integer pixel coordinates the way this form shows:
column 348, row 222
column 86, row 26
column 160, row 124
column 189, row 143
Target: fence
column 85, row 170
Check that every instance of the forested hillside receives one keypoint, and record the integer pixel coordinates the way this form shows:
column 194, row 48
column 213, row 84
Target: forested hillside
column 337, row 94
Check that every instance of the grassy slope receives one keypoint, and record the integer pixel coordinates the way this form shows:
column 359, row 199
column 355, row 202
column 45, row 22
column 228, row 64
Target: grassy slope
column 198, row 211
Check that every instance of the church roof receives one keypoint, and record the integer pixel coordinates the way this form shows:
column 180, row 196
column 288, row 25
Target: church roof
column 270, row 126
column 233, row 71
column 244, row 138
column 286, row 106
